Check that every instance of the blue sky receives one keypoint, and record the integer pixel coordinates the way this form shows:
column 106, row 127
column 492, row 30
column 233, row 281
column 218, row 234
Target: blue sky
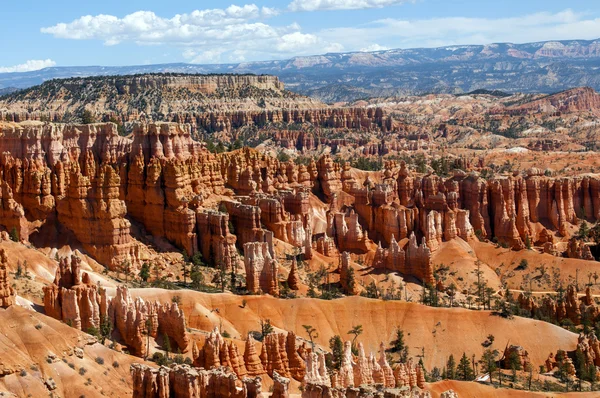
column 39, row 33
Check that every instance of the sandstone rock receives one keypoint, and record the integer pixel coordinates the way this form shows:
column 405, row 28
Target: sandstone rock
column 518, row 351
column 349, row 285
column 388, row 373
column 297, row 365
column 184, row 381
column 578, row 249
column 316, row 372
column 281, row 386
column 261, row 268
column 275, row 355
column 362, row 368
column 7, row 293
column 251, row 359
column 293, row 278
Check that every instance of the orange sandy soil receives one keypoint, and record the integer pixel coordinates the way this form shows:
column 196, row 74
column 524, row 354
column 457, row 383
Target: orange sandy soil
column 39, row 265
column 28, row 338
column 507, row 260
column 563, row 163
column 477, row 390
column 442, row 331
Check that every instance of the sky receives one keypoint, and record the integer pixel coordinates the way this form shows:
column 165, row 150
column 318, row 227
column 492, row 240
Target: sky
column 35, row 34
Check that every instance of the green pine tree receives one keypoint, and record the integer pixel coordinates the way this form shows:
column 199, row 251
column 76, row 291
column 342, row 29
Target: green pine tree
column 464, row 371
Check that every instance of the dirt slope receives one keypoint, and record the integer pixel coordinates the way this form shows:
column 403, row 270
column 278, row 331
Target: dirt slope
column 35, row 348
column 441, row 331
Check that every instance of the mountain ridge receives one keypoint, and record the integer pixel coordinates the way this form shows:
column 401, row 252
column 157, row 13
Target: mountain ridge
column 543, row 67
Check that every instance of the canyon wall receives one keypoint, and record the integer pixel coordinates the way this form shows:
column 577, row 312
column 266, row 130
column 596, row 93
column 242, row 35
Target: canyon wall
column 89, row 181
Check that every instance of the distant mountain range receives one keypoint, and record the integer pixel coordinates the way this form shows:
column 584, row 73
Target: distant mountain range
column 542, row 67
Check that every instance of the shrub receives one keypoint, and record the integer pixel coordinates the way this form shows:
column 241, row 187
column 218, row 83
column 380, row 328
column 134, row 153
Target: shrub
column 23, row 373
column 82, row 371
column 179, row 359
column 283, row 157
column 100, row 360
column 115, row 364
column 522, row 265
column 14, row 235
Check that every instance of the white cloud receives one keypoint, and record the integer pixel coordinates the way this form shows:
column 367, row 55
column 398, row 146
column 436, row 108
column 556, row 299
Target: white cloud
column 296, row 41
column 434, row 32
column 245, row 33
column 316, row 5
column 233, row 34
column 373, row 47
column 268, row 12
column 31, row 65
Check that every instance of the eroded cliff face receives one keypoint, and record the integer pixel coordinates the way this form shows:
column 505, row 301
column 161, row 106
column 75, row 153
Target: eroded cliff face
column 77, row 301
column 91, row 181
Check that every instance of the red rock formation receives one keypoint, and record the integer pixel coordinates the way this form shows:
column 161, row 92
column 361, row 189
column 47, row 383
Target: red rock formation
column 520, row 353
column 251, row 359
column 281, row 386
column 7, row 293
column 171, row 322
column 73, row 298
column 346, row 373
column 316, row 371
column 418, row 261
column 261, row 268
column 297, row 365
column 345, row 271
column 347, row 232
column 329, row 177
column 362, row 369
column 293, row 280
column 182, row 381
column 578, row 249
column 275, row 359
column 388, row 374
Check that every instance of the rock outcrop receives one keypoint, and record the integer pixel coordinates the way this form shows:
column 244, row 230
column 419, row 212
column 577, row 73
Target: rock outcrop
column 75, row 300
column 347, row 278
column 279, row 355
column 262, row 268
column 182, row 381
column 7, row 293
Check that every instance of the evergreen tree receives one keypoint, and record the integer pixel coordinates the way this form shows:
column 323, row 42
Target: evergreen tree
column 312, row 334
column 356, row 331
column 488, row 361
column 464, row 371
column 167, row 344
column 106, row 328
column 145, row 272
column 14, row 235
column 351, row 280
column 266, row 328
column 451, row 367
column 197, row 277
column 337, row 351
column 514, row 361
